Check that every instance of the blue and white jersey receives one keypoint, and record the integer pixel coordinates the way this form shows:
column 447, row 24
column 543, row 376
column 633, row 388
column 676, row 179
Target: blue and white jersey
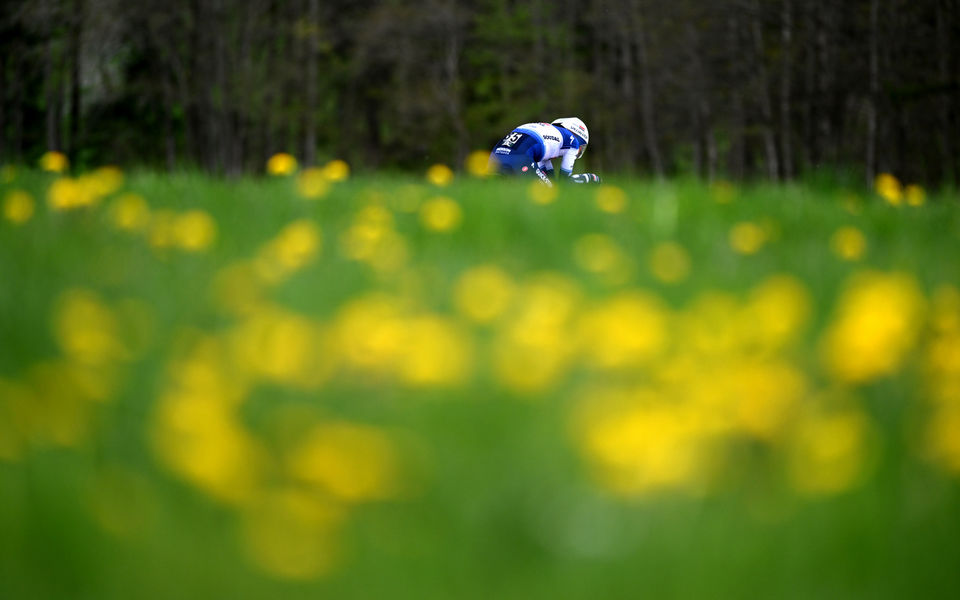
column 557, row 142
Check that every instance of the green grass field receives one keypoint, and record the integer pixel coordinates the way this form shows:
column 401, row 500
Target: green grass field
column 396, row 387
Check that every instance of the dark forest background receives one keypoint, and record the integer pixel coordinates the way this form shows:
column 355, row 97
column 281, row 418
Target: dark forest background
column 739, row 88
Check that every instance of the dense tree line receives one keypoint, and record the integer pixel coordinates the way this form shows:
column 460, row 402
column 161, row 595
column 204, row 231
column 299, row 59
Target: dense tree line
column 742, row 88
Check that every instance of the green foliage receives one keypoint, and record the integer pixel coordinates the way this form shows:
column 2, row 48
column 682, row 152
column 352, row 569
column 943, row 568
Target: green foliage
column 496, row 493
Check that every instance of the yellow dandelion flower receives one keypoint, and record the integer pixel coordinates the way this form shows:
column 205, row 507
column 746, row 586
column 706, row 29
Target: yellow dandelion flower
column 747, row 237
column 162, row 232
column 670, row 262
column 829, row 453
column 611, row 199
column 851, row 203
column 195, row 230
column 722, row 191
column 18, row 207
column 438, row 352
column 282, row 347
column 312, row 183
column 876, row 324
column 197, row 435
column 353, row 462
column 943, row 437
column 775, row 312
column 281, row 164
column 54, row 162
column 915, row 195
column 292, row 249
column 478, row 163
column 87, row 329
column 370, row 333
column 441, row 214
column 848, row 243
column 104, row 181
column 440, row 175
column 625, row 331
column 336, row 170
column 540, row 193
column 237, row 289
column 67, row 193
column 643, row 448
column 130, row 212
column 888, row 187
column 597, row 253
column 293, row 535
column 483, row 293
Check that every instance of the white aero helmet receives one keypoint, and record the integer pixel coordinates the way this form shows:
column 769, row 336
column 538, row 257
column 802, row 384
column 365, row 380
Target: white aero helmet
column 576, row 126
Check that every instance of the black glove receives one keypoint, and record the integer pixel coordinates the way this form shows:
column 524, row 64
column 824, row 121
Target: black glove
column 585, row 178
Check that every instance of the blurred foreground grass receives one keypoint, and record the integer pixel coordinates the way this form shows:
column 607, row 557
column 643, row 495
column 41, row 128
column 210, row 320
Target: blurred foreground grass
column 317, row 385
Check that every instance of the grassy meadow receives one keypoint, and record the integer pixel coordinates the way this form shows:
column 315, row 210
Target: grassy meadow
column 325, row 385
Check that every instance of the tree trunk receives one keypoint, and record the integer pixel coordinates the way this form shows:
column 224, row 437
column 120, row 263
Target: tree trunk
column 3, row 107
column 646, row 98
column 454, row 85
column 874, row 94
column 310, row 83
column 53, row 98
column 786, row 72
column 76, row 34
column 766, row 104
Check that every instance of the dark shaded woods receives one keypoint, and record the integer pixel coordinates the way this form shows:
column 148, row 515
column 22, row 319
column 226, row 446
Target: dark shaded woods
column 734, row 88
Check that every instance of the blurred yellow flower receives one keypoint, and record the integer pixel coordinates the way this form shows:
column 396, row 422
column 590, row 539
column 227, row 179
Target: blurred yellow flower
column 282, row 347
column 915, row 195
column 829, row 453
column 313, row 183
column 775, row 313
column 534, row 347
column 848, row 243
column 162, row 232
column 747, row 237
column 195, row 230
column 597, row 253
column 722, row 191
column 103, row 181
column 611, row 199
column 943, row 436
column 281, row 164
column 336, row 170
column 197, row 434
column 478, row 163
column 293, row 248
column 441, row 214
column 67, row 193
column 18, row 207
column 370, row 333
column 86, row 329
column 670, row 262
column 641, row 447
column 889, row 188
column 350, row 461
column 482, row 294
column 439, row 175
column 54, row 162
column 130, row 212
column 625, row 331
column 438, row 352
column 371, row 238
column 237, row 289
column 877, row 320
column 541, row 194
column 292, row 534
